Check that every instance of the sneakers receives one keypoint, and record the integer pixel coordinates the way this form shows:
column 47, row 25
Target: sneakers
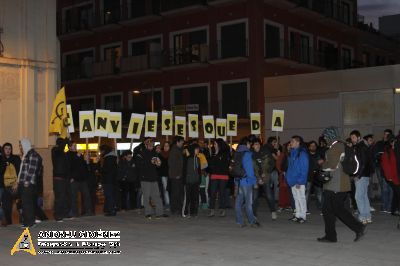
column 274, row 216
column 148, row 217
column 255, row 225
column 294, row 219
column 301, row 221
column 37, row 221
column 211, row 213
column 222, row 213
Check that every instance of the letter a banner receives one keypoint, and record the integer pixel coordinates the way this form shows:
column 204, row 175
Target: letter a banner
column 180, row 126
column 86, row 124
column 114, row 125
column 278, row 117
column 232, row 120
column 101, row 123
column 135, row 126
column 208, row 126
column 193, row 125
column 151, row 125
column 255, row 123
column 166, row 123
column 220, row 128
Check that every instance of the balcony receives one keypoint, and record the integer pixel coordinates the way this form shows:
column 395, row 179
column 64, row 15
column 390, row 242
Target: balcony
column 140, row 63
column 75, row 26
column 106, row 68
column 83, row 71
column 196, row 54
column 140, row 12
column 172, row 7
column 229, row 51
column 108, row 19
column 301, row 57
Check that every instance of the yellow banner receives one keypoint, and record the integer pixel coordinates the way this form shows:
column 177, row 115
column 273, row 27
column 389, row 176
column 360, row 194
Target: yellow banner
column 208, row 126
column 71, row 127
column 255, row 123
column 278, row 117
column 114, row 125
column 167, row 123
column 193, row 125
column 180, row 126
column 86, row 124
column 232, row 122
column 151, row 125
column 59, row 117
column 220, row 131
column 101, row 123
column 135, row 126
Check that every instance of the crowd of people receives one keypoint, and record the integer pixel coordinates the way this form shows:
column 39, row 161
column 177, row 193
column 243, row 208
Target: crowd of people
column 179, row 178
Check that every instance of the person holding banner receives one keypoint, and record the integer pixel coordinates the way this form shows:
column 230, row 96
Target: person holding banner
column 147, row 163
column 175, row 161
column 109, row 174
column 219, row 175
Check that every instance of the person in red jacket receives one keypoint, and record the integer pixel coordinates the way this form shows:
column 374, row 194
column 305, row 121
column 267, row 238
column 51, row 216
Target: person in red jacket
column 389, row 166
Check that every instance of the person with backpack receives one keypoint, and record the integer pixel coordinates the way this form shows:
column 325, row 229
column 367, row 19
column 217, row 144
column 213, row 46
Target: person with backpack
column 192, row 176
column 10, row 166
column 219, row 176
column 26, row 182
column 296, row 177
column 245, row 179
column 361, row 175
column 335, row 191
column 264, row 164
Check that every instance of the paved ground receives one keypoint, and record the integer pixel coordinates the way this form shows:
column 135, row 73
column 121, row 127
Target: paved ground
column 218, row 241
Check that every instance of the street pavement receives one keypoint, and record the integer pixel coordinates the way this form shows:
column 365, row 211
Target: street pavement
column 207, row 241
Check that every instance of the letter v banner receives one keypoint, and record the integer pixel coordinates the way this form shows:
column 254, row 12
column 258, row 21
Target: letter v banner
column 114, row 125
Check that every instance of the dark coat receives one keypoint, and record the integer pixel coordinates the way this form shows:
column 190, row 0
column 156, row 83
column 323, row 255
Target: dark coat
column 219, row 164
column 175, row 161
column 146, row 169
column 109, row 170
column 59, row 160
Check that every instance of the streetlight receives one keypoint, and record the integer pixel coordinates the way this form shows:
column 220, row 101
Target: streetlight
column 138, row 91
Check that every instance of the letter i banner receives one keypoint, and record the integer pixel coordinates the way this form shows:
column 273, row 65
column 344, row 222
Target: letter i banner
column 255, row 123
column 208, row 126
column 193, row 125
column 180, row 126
column 135, row 126
column 167, row 123
column 151, row 125
column 86, row 124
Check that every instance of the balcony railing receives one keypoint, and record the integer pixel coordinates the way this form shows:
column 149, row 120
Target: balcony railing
column 141, row 62
column 196, row 53
column 169, row 5
column 140, row 9
column 83, row 71
column 105, row 68
column 75, row 24
column 108, row 16
column 225, row 49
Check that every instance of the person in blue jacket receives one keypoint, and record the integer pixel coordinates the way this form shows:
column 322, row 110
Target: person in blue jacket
column 296, row 177
column 245, row 186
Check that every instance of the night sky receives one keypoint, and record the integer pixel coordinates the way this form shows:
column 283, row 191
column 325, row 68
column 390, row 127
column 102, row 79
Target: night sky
column 373, row 9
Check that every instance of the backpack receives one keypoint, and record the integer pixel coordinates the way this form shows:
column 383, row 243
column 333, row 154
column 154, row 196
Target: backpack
column 10, row 175
column 350, row 162
column 236, row 169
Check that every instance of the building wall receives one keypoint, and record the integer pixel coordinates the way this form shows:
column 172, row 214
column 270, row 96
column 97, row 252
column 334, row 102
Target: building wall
column 361, row 99
column 28, row 75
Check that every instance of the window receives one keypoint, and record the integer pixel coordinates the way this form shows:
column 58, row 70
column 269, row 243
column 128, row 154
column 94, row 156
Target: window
column 113, row 56
column 112, row 102
column 78, row 65
column 111, row 11
column 234, row 99
column 197, row 95
column 345, row 13
column 141, row 8
column 146, row 47
column 300, row 49
column 272, row 41
column 142, row 102
column 327, row 54
column 233, row 41
column 79, row 18
column 346, row 58
column 190, row 47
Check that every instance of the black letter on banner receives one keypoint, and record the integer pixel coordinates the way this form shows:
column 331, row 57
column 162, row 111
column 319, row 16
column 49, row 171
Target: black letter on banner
column 232, row 125
column 278, row 122
column 255, row 124
column 86, row 126
column 209, row 128
column 114, row 125
column 194, row 125
column 221, row 130
column 167, row 123
column 150, row 126
column 102, row 123
column 135, row 128
column 180, row 129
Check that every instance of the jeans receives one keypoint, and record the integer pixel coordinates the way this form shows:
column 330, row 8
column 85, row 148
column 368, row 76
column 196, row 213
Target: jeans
column 82, row 187
column 274, row 185
column 109, row 198
column 164, row 180
column 61, row 198
column 245, row 195
column 386, row 190
column 192, row 199
column 28, row 196
column 177, row 194
column 269, row 196
column 151, row 193
column 362, row 199
column 218, row 185
column 318, row 194
column 299, row 196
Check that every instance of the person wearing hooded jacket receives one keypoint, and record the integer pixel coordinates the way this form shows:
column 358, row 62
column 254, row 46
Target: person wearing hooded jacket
column 336, row 191
column 109, row 174
column 245, row 186
column 296, row 177
column 27, row 180
column 61, row 183
column 192, row 176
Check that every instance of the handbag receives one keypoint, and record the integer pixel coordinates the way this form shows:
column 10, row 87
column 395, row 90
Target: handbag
column 323, row 176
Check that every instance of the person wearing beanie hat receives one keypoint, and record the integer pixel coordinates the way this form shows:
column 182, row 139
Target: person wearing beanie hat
column 335, row 192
